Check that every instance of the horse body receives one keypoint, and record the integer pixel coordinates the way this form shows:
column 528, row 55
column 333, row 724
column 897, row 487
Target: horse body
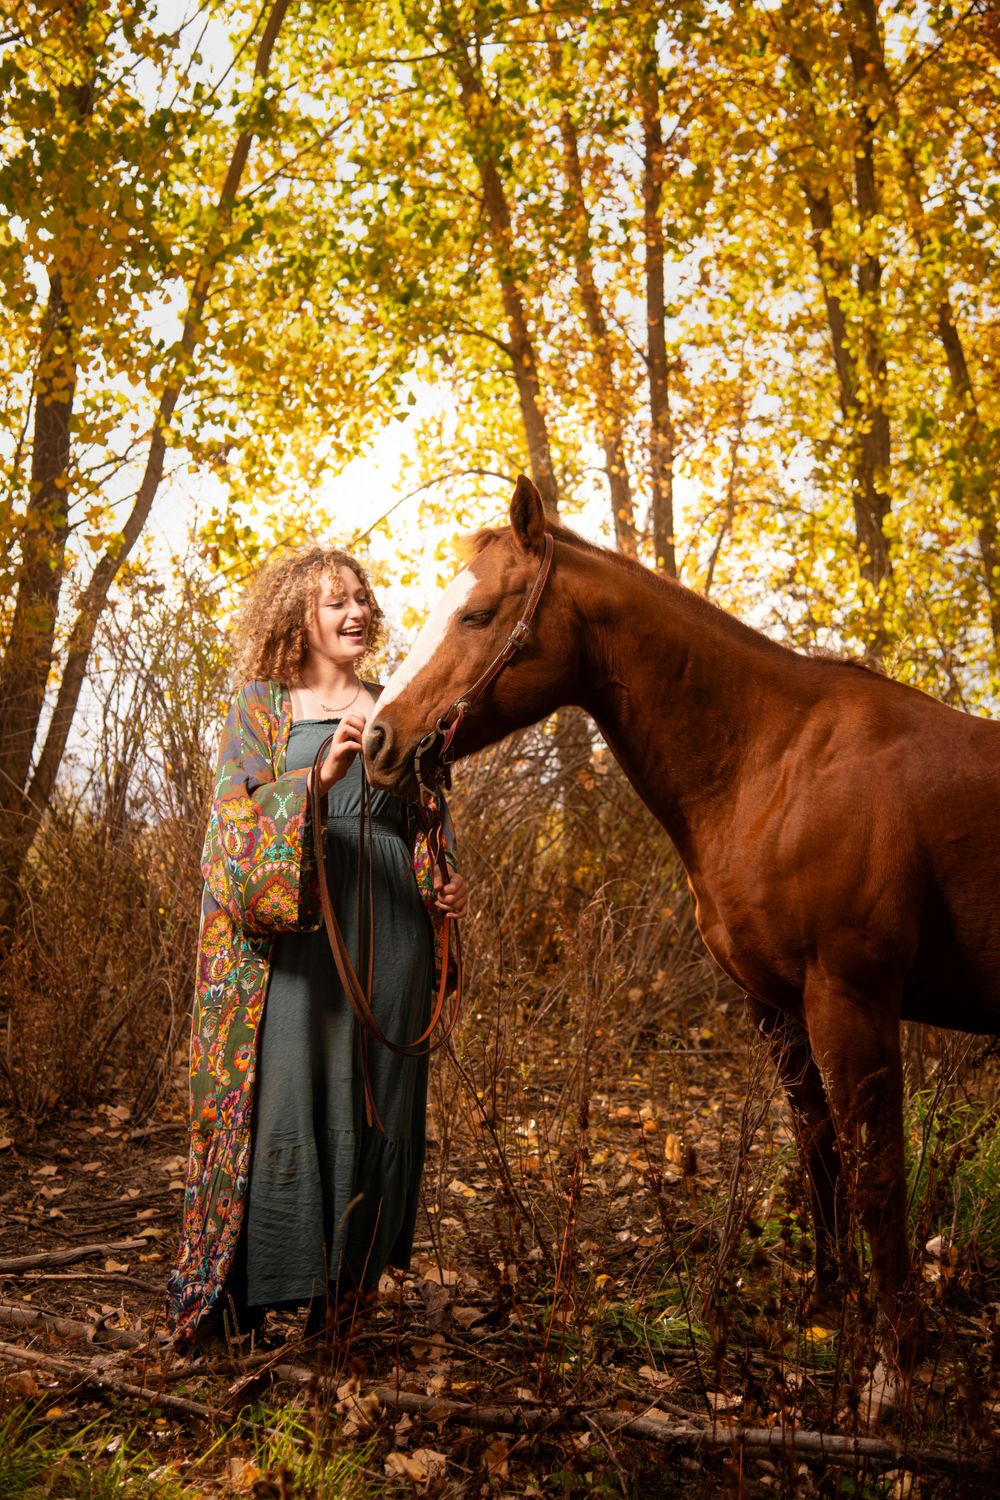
column 839, row 830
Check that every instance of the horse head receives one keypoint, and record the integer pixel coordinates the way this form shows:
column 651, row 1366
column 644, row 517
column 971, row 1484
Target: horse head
column 466, row 631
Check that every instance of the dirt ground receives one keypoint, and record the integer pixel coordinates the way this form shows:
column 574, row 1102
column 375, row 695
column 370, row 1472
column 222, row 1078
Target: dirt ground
column 590, row 1252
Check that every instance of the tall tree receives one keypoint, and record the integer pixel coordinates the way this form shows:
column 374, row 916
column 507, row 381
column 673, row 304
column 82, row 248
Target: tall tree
column 609, row 405
column 162, row 259
column 661, row 425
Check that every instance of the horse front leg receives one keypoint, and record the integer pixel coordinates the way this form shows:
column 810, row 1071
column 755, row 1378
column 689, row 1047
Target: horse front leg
column 855, row 1042
column 816, row 1139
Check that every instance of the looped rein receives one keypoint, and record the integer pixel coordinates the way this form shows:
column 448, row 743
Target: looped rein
column 359, row 992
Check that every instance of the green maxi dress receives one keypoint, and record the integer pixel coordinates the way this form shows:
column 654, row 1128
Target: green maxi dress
column 329, row 1196
column 349, row 1194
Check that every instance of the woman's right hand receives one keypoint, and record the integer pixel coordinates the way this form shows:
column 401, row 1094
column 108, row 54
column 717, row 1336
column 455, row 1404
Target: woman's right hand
column 346, row 744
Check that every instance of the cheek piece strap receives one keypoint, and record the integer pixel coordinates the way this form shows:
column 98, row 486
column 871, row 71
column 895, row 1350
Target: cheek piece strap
column 450, row 722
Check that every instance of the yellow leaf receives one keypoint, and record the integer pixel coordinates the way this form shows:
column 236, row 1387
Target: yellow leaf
column 402, row 1466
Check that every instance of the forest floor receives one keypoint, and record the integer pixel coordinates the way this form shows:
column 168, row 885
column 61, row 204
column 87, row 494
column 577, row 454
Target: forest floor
column 608, row 1296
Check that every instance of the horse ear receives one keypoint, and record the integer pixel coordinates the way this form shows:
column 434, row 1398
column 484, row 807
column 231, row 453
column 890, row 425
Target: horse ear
column 527, row 515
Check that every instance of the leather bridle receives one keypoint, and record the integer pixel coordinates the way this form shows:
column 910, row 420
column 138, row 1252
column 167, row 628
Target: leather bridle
column 450, row 722
column 428, row 812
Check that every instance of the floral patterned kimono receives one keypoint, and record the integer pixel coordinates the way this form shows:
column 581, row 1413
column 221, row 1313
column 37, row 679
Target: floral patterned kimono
column 260, row 880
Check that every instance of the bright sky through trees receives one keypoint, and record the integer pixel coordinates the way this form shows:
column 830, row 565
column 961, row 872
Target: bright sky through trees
column 723, row 279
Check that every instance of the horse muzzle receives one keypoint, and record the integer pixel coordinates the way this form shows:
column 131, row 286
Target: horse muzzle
column 385, row 767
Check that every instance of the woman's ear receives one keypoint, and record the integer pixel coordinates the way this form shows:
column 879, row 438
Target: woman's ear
column 527, row 515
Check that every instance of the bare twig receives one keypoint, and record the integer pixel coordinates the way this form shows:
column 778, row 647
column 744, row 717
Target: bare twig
column 67, row 1254
column 104, row 1384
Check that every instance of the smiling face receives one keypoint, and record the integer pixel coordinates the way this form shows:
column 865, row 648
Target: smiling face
column 337, row 630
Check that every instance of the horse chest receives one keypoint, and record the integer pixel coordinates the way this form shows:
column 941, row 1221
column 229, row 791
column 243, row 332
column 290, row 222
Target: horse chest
column 747, row 947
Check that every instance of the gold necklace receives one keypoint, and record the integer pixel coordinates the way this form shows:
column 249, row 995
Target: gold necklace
column 330, row 709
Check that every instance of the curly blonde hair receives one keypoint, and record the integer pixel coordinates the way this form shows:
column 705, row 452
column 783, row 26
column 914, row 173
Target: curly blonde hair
column 270, row 629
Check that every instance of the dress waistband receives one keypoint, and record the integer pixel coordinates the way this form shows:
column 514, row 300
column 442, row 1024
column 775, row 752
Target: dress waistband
column 386, row 828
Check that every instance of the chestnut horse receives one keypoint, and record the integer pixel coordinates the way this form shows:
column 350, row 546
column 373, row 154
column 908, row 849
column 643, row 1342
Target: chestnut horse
column 840, row 832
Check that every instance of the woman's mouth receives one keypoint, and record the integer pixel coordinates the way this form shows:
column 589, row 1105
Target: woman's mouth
column 354, row 632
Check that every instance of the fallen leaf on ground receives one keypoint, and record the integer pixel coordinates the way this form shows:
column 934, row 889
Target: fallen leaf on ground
column 443, row 1276
column 435, row 1463
column 466, row 1316
column 21, row 1385
column 403, row 1466
column 496, row 1458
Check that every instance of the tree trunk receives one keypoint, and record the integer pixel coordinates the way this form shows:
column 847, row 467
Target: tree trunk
column 661, row 426
column 980, row 442
column 861, row 371
column 27, row 661
column 874, row 434
column 34, row 799
column 520, row 345
column 602, row 356
column 25, row 669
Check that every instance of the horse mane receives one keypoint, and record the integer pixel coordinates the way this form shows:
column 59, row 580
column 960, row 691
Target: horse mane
column 476, row 542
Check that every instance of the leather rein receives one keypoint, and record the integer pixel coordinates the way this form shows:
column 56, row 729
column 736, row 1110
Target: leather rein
column 429, row 815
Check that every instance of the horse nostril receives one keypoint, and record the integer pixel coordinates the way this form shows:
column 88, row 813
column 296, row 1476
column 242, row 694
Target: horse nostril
column 374, row 742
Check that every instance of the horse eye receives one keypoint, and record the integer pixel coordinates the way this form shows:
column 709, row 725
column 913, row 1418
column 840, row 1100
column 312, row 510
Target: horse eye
column 478, row 617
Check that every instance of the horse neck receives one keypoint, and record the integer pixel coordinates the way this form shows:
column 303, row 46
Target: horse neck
column 682, row 692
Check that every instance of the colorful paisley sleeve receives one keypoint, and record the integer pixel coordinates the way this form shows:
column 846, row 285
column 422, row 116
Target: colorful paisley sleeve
column 257, row 861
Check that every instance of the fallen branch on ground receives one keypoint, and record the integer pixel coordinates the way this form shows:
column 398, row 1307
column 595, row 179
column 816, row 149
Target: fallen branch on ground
column 14, row 1316
column 103, row 1384
column 831, row 1447
column 68, row 1254
column 754, row 1440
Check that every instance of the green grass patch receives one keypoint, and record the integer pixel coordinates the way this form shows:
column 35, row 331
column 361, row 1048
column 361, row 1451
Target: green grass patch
column 953, row 1169
column 660, row 1324
column 288, row 1450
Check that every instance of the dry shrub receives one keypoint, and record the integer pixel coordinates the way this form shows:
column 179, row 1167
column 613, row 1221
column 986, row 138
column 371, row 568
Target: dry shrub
column 97, row 979
column 583, row 963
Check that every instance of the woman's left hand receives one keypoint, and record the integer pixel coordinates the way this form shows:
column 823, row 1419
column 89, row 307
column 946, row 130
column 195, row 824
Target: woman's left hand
column 453, row 897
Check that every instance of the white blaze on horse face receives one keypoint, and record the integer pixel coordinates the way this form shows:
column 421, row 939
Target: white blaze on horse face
column 432, row 633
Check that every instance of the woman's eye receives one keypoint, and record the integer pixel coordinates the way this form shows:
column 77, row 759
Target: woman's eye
column 478, row 617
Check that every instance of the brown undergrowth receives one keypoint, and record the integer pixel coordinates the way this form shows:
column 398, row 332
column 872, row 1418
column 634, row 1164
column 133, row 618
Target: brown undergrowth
column 613, row 1221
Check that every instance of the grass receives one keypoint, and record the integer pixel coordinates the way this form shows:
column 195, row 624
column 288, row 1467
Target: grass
column 954, row 1170
column 286, row 1452
column 98, row 1462
column 657, row 1324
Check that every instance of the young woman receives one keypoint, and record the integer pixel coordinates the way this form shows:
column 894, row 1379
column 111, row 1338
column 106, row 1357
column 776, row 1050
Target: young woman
column 293, row 1197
